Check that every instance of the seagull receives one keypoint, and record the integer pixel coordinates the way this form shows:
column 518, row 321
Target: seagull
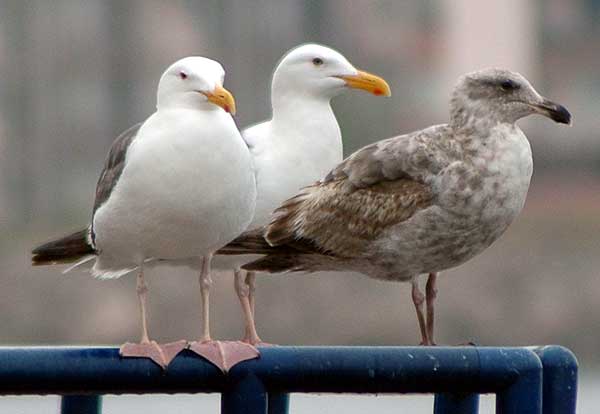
column 174, row 188
column 418, row 203
column 299, row 144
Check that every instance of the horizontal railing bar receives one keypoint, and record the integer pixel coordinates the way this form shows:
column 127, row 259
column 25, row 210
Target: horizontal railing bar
column 86, row 370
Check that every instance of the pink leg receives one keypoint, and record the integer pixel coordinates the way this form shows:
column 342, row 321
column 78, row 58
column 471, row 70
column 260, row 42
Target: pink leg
column 205, row 284
column 418, row 299
column 243, row 290
column 430, row 295
column 142, row 291
column 251, row 282
column 147, row 348
column 222, row 354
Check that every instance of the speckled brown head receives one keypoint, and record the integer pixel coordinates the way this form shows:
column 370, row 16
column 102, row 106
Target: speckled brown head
column 500, row 96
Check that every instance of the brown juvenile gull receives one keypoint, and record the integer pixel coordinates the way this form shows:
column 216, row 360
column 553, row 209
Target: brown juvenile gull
column 416, row 203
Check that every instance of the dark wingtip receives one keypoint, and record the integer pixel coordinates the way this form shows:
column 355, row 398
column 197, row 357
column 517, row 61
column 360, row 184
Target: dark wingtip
column 273, row 264
column 65, row 250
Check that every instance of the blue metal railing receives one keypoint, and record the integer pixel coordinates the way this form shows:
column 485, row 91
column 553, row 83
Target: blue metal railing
column 525, row 380
column 559, row 379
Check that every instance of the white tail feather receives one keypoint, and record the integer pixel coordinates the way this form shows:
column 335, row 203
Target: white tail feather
column 111, row 274
column 79, row 263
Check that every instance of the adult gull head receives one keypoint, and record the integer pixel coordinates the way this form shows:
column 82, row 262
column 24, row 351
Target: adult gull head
column 195, row 82
column 320, row 72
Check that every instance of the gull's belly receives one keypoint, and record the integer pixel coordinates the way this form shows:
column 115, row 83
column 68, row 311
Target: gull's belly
column 434, row 240
column 176, row 199
column 192, row 221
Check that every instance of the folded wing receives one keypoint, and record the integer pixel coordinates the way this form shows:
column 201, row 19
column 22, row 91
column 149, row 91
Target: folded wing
column 336, row 219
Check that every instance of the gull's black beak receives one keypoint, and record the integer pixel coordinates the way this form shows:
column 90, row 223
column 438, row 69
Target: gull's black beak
column 554, row 111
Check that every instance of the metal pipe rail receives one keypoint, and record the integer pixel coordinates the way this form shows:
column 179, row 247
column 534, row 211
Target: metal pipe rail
column 457, row 375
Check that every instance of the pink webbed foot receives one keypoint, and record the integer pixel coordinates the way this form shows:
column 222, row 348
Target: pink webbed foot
column 150, row 350
column 256, row 341
column 224, row 354
column 265, row 344
column 172, row 349
column 161, row 355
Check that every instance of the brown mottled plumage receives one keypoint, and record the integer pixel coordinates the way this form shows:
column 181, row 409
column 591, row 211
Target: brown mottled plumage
column 417, row 203
column 342, row 222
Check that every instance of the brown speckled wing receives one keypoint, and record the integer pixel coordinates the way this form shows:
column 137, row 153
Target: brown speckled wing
column 412, row 156
column 380, row 185
column 342, row 223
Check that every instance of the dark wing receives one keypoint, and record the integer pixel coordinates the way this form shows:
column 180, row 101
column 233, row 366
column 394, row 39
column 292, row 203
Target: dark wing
column 64, row 250
column 113, row 167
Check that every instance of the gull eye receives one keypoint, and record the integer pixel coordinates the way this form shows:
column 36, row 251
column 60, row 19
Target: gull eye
column 183, row 75
column 509, row 85
column 317, row 61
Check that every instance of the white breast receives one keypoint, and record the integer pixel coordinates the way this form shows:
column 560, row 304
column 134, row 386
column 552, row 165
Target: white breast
column 187, row 189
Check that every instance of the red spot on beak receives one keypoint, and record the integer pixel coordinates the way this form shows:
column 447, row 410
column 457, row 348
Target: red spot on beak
column 227, row 108
column 377, row 92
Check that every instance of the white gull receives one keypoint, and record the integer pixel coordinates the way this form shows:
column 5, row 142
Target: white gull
column 175, row 188
column 299, row 144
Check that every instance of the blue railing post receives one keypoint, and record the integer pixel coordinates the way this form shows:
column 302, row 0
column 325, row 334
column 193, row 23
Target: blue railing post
column 524, row 394
column 81, row 404
column 279, row 403
column 246, row 396
column 446, row 403
column 560, row 379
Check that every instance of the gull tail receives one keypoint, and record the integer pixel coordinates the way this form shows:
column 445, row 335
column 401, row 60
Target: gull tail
column 278, row 263
column 278, row 258
column 249, row 242
column 68, row 249
column 297, row 256
column 254, row 242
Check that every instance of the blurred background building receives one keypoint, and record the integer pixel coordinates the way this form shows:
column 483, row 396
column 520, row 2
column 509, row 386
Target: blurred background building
column 74, row 74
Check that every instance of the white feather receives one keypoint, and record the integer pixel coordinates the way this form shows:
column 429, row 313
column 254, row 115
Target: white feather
column 84, row 260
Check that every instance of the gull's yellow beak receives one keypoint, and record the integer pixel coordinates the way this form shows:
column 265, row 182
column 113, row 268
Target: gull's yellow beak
column 223, row 98
column 368, row 82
